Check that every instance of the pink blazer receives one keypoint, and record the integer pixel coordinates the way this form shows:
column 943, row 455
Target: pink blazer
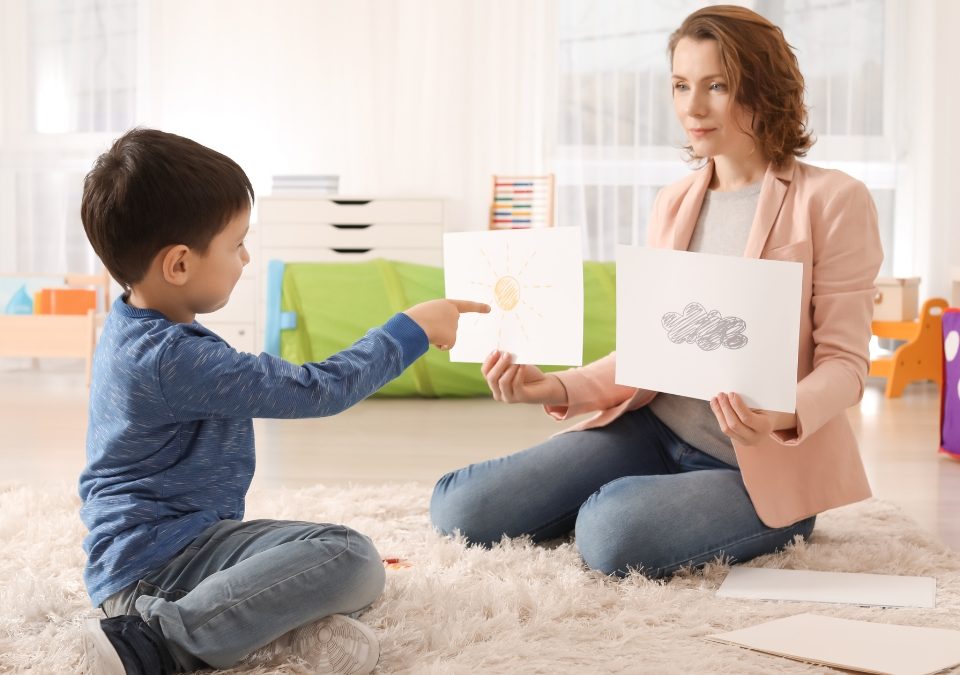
column 826, row 220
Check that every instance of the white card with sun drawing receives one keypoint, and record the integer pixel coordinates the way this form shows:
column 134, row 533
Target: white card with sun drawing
column 532, row 280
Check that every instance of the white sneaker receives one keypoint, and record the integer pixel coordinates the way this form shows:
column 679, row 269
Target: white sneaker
column 345, row 646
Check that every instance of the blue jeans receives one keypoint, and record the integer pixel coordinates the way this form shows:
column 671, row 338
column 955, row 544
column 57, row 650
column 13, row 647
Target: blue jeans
column 240, row 585
column 635, row 494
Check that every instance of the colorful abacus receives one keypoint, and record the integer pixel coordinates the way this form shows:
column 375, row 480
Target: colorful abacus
column 521, row 202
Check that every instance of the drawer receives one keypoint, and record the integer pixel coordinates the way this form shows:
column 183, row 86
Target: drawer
column 343, row 235
column 419, row 256
column 348, row 211
column 240, row 336
column 240, row 308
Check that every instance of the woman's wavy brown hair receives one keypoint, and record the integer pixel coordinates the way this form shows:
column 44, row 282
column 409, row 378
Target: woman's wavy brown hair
column 761, row 71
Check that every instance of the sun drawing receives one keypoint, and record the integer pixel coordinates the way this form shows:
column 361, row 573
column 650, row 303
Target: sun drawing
column 511, row 293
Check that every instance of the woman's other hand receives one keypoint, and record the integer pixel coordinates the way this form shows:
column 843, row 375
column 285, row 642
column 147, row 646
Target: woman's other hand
column 745, row 425
column 512, row 383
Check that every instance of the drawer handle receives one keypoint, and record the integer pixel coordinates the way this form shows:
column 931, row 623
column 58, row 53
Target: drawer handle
column 351, row 202
column 350, row 250
column 878, row 298
column 351, row 226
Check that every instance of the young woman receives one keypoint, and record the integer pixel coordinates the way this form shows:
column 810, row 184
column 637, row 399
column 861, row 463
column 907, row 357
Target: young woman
column 655, row 481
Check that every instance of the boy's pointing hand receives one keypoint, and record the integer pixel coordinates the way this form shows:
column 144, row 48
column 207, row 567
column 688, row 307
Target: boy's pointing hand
column 439, row 318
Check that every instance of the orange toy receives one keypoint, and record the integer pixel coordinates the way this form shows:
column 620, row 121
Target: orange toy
column 921, row 358
column 396, row 563
column 65, row 301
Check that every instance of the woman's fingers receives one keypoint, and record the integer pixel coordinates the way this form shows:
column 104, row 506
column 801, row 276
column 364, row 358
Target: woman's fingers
column 491, row 369
column 518, row 378
column 730, row 422
column 506, row 379
column 506, row 383
column 495, row 374
column 489, row 362
column 743, row 411
column 512, row 383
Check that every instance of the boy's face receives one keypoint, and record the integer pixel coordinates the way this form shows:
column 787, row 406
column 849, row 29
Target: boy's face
column 215, row 273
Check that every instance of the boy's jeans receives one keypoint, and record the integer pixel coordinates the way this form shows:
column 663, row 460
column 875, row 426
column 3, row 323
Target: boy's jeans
column 240, row 585
column 636, row 495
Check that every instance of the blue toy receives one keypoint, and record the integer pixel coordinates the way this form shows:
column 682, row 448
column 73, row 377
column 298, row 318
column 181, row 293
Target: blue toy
column 19, row 303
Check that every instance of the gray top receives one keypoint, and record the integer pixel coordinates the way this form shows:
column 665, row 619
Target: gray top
column 722, row 228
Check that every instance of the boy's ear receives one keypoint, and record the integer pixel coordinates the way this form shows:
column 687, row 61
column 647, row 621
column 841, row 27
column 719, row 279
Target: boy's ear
column 174, row 264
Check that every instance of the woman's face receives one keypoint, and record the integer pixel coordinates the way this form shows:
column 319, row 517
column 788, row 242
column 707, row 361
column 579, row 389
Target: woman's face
column 713, row 121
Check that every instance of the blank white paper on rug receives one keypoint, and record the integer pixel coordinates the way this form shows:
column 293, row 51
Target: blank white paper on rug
column 855, row 645
column 697, row 324
column 532, row 280
column 882, row 590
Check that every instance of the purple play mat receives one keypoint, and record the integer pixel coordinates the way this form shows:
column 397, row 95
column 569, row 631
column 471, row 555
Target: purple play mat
column 950, row 404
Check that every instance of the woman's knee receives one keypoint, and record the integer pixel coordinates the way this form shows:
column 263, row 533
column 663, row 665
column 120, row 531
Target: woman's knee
column 608, row 544
column 455, row 509
column 649, row 542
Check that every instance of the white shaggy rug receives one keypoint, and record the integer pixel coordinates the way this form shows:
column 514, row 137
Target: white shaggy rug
column 515, row 609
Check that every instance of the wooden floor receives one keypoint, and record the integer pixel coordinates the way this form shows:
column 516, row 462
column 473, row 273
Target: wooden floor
column 43, row 424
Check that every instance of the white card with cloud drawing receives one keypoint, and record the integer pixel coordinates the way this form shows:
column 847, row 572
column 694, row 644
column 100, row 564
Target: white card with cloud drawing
column 532, row 280
column 696, row 324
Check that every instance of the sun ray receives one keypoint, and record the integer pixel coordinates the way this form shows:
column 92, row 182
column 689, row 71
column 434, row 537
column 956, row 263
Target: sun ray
column 526, row 336
column 532, row 308
column 493, row 270
column 527, row 262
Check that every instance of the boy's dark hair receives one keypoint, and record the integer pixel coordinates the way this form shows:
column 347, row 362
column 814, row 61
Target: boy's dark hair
column 153, row 189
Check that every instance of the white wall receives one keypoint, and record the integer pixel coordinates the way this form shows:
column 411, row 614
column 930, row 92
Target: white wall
column 929, row 184
column 944, row 191
column 413, row 97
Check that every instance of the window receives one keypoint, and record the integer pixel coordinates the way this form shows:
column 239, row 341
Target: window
column 71, row 69
column 618, row 139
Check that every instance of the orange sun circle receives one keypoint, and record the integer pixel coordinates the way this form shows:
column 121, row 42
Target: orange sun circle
column 507, row 293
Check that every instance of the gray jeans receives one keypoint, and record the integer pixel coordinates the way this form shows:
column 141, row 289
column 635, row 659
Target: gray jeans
column 240, row 585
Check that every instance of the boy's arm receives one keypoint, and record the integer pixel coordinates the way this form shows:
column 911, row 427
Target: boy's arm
column 203, row 377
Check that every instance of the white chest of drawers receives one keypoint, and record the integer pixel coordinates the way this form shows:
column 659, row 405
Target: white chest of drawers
column 327, row 228
column 344, row 229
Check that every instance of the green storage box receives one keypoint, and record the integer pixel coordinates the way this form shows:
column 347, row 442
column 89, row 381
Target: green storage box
column 317, row 309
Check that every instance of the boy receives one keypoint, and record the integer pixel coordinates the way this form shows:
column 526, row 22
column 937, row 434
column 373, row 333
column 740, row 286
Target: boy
column 184, row 582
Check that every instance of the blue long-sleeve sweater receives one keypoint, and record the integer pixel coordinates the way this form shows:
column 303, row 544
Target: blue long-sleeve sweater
column 170, row 446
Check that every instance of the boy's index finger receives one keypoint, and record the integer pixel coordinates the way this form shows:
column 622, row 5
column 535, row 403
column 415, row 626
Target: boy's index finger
column 470, row 306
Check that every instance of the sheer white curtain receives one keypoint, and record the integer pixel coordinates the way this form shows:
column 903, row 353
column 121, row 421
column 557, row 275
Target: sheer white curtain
column 408, row 97
column 453, row 93
column 69, row 78
column 397, row 97
column 618, row 140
